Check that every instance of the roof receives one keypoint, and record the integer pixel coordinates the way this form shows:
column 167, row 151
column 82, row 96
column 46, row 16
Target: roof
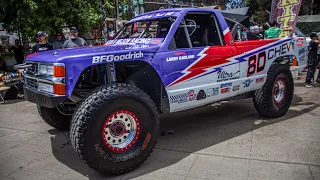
column 173, row 12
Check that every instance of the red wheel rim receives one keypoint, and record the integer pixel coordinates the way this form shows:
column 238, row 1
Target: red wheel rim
column 279, row 91
column 121, row 131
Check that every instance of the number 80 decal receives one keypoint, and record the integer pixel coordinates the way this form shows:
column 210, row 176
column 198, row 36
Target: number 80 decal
column 254, row 63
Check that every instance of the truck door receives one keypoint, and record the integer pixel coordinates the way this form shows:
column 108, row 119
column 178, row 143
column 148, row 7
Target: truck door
column 197, row 57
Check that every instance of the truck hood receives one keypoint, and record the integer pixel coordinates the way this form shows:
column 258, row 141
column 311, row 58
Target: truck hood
column 110, row 48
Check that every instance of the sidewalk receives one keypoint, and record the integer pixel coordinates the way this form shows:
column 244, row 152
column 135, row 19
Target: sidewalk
column 208, row 143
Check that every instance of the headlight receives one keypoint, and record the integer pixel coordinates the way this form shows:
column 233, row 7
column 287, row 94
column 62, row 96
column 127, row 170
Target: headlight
column 45, row 69
column 45, row 87
column 56, row 70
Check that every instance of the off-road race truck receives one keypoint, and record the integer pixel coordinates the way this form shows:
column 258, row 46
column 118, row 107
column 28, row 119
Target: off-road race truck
column 111, row 96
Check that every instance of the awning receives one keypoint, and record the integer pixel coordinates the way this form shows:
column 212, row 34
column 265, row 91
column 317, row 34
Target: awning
column 309, row 18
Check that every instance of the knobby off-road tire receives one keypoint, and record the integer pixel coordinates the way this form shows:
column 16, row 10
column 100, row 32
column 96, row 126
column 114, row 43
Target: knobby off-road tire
column 275, row 97
column 102, row 122
column 54, row 118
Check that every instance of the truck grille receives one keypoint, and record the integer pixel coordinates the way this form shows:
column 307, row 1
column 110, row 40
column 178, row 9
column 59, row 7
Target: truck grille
column 33, row 69
column 31, row 83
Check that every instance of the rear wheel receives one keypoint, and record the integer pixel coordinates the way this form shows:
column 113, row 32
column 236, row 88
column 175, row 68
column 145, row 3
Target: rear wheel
column 115, row 129
column 275, row 97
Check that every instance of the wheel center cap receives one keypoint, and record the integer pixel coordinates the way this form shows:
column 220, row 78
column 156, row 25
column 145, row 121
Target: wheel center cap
column 117, row 128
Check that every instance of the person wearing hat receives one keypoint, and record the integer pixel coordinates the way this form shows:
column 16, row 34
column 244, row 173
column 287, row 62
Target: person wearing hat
column 42, row 44
column 312, row 59
column 74, row 40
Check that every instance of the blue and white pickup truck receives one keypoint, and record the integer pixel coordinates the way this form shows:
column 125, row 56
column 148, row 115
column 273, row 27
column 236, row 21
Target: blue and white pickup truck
column 111, row 96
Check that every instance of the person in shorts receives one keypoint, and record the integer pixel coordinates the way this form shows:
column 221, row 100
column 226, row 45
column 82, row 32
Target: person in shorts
column 42, row 44
column 312, row 59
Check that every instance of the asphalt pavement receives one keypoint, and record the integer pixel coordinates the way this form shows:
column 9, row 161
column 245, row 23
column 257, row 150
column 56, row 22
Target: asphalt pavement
column 229, row 141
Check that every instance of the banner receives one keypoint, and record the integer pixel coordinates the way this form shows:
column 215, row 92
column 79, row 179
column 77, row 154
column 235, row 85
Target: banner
column 286, row 13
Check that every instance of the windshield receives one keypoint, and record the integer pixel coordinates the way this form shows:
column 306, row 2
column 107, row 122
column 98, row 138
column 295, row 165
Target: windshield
column 156, row 28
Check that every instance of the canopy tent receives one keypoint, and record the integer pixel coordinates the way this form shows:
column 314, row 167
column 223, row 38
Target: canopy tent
column 240, row 15
column 309, row 23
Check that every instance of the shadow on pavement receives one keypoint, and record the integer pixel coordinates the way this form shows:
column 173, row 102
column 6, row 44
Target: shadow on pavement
column 13, row 101
column 194, row 130
column 302, row 84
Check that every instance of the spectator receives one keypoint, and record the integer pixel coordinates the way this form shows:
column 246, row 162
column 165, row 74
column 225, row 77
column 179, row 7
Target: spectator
column 2, row 64
column 318, row 65
column 58, row 42
column 18, row 51
column 312, row 59
column 42, row 45
column 273, row 31
column 74, row 40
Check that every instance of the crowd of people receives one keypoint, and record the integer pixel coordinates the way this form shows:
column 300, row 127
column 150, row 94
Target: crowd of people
column 59, row 42
column 271, row 30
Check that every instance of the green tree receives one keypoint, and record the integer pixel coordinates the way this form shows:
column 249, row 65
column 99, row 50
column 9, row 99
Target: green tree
column 31, row 16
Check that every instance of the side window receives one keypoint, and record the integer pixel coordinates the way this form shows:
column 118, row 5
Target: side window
column 197, row 30
column 230, row 24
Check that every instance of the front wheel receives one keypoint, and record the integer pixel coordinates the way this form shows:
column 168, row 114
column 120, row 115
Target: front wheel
column 275, row 97
column 115, row 129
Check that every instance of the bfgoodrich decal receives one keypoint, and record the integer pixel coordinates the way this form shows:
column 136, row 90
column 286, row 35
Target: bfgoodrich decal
column 111, row 57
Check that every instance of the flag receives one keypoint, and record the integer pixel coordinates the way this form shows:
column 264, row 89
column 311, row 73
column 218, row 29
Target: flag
column 286, row 13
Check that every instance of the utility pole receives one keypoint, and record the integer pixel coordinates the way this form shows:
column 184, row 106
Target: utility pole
column 104, row 29
column 116, row 12
column 109, row 69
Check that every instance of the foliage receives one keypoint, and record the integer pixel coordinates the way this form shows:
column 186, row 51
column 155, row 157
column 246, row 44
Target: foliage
column 31, row 16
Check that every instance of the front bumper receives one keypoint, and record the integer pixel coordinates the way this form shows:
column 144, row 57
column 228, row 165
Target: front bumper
column 42, row 99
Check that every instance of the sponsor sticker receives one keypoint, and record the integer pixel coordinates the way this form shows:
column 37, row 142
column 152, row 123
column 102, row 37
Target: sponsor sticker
column 300, row 41
column 260, row 80
column 112, row 57
column 236, row 87
column 302, row 51
column 148, row 16
column 247, row 83
column 226, row 85
column 178, row 58
column 155, row 41
column 225, row 90
column 192, row 95
column 201, row 95
column 224, row 75
column 135, row 41
column 182, row 98
column 212, row 91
